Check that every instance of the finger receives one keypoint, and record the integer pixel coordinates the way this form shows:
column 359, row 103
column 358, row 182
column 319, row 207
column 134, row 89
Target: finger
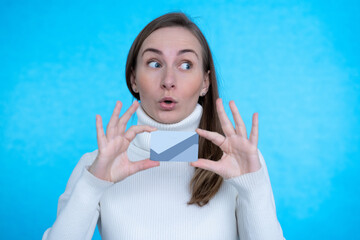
column 113, row 120
column 115, row 115
column 226, row 125
column 136, row 129
column 100, row 135
column 206, row 164
column 239, row 123
column 254, row 134
column 127, row 115
column 214, row 137
column 142, row 165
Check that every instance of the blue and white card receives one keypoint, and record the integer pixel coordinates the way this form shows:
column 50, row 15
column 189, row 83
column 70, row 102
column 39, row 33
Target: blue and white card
column 173, row 146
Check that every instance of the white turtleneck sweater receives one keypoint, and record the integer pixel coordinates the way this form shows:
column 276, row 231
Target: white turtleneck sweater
column 152, row 204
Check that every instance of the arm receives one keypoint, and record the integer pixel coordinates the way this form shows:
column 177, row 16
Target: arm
column 243, row 166
column 255, row 208
column 78, row 207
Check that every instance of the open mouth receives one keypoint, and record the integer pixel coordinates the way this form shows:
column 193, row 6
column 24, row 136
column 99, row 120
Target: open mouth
column 167, row 103
column 168, row 100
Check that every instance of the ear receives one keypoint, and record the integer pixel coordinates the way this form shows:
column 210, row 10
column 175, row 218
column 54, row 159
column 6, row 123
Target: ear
column 133, row 81
column 206, row 83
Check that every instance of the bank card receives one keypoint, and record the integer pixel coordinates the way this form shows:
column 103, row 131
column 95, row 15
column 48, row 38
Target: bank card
column 172, row 146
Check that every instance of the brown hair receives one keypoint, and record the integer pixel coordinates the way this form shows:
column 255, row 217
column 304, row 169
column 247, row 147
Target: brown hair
column 204, row 184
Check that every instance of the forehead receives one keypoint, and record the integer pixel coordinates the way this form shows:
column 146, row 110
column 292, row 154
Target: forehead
column 172, row 38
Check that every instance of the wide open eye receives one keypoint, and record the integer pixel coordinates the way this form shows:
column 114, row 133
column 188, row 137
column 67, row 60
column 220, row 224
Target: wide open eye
column 154, row 64
column 185, row 66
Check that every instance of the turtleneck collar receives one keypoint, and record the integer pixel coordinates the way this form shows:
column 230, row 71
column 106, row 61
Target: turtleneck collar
column 190, row 123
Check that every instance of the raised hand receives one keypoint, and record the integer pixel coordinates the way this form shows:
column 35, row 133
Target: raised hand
column 112, row 163
column 240, row 154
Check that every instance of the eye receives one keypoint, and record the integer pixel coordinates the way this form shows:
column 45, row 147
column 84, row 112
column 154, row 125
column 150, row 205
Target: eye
column 186, row 66
column 154, row 64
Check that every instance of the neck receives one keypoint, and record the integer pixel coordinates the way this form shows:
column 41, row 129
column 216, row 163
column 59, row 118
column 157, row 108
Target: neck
column 189, row 124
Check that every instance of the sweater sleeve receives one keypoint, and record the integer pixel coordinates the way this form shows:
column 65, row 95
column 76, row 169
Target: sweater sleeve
column 255, row 207
column 78, row 206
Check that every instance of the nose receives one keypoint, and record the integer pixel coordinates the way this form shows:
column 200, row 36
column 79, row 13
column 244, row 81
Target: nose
column 168, row 80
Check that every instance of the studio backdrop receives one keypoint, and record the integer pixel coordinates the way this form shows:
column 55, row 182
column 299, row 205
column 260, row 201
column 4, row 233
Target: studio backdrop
column 295, row 63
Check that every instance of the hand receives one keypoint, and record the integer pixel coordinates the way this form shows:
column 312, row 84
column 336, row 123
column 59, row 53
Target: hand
column 240, row 154
column 112, row 163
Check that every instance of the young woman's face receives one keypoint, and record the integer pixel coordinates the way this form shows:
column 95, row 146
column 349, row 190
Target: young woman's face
column 169, row 74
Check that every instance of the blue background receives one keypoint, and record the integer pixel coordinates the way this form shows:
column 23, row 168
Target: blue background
column 297, row 64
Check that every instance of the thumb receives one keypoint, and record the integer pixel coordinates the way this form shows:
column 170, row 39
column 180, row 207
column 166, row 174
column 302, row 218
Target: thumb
column 206, row 164
column 142, row 165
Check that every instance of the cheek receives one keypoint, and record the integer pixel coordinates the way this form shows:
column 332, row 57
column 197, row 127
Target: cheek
column 145, row 81
column 193, row 86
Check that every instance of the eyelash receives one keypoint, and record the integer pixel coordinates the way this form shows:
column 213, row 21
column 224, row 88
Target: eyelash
column 152, row 61
column 159, row 65
column 187, row 62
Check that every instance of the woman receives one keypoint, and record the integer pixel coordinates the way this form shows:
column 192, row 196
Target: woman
column 226, row 196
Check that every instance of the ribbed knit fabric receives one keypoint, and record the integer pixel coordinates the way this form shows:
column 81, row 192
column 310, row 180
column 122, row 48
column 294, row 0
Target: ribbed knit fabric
column 152, row 204
column 188, row 124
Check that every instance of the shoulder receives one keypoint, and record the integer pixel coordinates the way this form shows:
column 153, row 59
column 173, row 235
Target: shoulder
column 261, row 158
column 88, row 158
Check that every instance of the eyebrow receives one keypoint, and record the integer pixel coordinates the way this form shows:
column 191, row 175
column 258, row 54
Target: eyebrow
column 154, row 50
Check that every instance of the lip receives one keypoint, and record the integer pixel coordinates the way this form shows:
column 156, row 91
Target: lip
column 167, row 106
column 168, row 99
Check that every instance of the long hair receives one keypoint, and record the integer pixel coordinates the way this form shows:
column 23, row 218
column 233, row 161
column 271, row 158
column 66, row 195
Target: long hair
column 204, row 184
